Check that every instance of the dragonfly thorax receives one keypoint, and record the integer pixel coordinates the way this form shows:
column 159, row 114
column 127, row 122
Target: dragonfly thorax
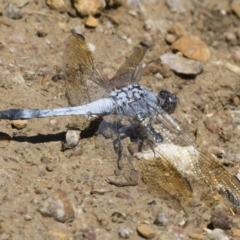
column 129, row 94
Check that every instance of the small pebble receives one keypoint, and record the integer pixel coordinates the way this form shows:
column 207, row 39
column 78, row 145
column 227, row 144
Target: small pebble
column 35, row 201
column 176, row 6
column 27, row 217
column 58, row 207
column 38, row 191
column 118, row 217
column 91, row 22
column 197, row 236
column 58, row 5
column 49, row 167
column 236, row 100
column 12, row 11
column 86, row 7
column 53, row 122
column 79, row 29
column 152, row 202
column 18, row 78
column 124, row 196
column 19, row 124
column 220, row 219
column 45, row 160
column 145, row 231
column 148, row 25
column 181, row 223
column 231, row 38
column 147, row 40
column 177, row 30
column 42, row 34
column 211, row 125
column 124, row 232
column 72, row 138
column 16, row 38
column 216, row 234
column 170, row 38
column 89, row 233
column 158, row 75
column 161, row 219
column 182, row 65
column 92, row 47
column 129, row 41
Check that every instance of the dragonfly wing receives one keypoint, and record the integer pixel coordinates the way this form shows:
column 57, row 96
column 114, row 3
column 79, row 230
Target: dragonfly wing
column 160, row 175
column 190, row 160
column 131, row 70
column 216, row 175
column 162, row 178
column 83, row 79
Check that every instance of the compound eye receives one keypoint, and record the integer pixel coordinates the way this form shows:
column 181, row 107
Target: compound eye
column 168, row 101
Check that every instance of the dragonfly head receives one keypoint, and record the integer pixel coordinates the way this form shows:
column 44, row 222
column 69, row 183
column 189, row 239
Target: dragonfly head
column 167, row 100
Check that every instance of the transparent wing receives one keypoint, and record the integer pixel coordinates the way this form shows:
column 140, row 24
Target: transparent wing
column 159, row 174
column 164, row 180
column 84, row 82
column 179, row 150
column 122, row 137
column 131, row 70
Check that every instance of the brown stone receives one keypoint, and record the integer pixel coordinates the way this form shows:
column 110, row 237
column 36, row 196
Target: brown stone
column 145, row 231
column 58, row 207
column 170, row 38
column 192, row 47
column 197, row 236
column 177, row 30
column 58, row 5
column 86, row 7
column 91, row 22
column 19, row 124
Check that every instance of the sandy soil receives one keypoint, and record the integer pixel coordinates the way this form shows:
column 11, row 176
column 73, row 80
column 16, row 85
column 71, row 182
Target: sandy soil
column 33, row 165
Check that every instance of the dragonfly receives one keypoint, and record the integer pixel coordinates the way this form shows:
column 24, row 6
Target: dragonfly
column 164, row 155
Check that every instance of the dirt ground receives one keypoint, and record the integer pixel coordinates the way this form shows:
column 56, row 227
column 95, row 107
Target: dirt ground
column 36, row 173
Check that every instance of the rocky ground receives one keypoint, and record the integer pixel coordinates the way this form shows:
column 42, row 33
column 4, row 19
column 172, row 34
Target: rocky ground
column 48, row 193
